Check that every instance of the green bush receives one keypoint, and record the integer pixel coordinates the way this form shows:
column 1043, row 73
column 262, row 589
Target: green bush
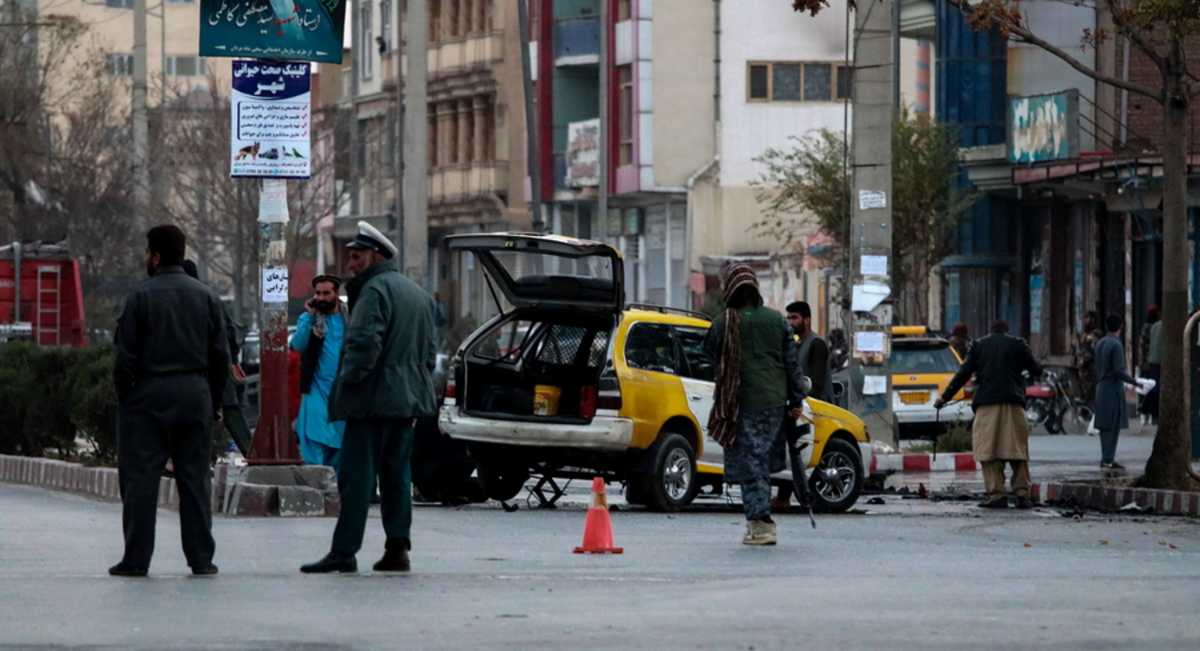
column 51, row 396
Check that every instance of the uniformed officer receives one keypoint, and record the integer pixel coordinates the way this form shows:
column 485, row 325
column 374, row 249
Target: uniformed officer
column 170, row 371
column 384, row 383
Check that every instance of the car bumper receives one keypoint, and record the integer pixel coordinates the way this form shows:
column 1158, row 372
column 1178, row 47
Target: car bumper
column 913, row 414
column 603, row 433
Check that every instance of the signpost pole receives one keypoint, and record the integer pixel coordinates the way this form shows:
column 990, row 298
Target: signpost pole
column 273, row 441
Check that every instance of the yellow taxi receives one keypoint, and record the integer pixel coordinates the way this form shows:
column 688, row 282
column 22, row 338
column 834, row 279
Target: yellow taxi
column 921, row 366
column 568, row 380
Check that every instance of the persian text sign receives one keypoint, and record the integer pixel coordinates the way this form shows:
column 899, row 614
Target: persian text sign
column 298, row 30
column 1043, row 127
column 270, row 119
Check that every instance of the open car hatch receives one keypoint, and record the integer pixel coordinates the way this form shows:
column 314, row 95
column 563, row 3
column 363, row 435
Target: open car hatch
column 549, row 271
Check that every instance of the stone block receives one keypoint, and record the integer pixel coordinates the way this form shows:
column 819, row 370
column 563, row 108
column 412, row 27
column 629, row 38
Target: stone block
column 318, row 477
column 333, row 504
column 301, row 501
column 271, row 475
column 254, row 500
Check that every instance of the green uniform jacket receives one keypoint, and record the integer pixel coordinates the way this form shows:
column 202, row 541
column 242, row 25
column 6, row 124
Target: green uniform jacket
column 385, row 371
column 771, row 371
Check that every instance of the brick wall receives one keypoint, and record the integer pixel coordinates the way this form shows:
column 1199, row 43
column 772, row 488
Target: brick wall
column 1145, row 115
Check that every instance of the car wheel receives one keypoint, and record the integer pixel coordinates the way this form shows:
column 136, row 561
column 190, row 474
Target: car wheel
column 1035, row 413
column 673, row 483
column 502, row 482
column 838, row 477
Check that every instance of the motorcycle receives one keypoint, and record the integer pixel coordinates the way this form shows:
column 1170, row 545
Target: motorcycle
column 1048, row 403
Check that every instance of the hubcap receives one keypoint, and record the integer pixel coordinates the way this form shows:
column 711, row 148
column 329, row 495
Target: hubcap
column 835, row 476
column 677, row 474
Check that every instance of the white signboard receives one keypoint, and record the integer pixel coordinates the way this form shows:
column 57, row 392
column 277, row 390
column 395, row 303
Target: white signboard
column 868, row 199
column 583, row 154
column 270, row 117
column 874, row 385
column 873, row 265
column 868, row 342
column 275, row 284
column 868, row 296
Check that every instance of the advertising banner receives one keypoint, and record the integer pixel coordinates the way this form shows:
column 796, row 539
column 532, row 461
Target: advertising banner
column 295, row 30
column 270, row 118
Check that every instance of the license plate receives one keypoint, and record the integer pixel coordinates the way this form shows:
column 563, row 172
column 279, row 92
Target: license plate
column 914, row 397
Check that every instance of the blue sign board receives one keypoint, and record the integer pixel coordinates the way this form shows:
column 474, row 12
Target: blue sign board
column 1043, row 127
column 294, row 30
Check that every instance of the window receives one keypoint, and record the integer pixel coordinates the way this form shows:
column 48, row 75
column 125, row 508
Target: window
column 626, row 113
column 435, row 20
column 650, row 347
column 118, row 65
column 788, row 81
column 624, row 10
column 433, row 138
column 385, row 26
column 180, row 2
column 119, row 4
column 698, row 365
column 366, row 55
column 183, row 66
column 845, row 82
column 759, row 86
column 451, row 18
column 485, row 16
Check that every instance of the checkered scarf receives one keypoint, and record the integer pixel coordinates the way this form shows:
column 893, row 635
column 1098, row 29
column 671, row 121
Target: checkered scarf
column 722, row 420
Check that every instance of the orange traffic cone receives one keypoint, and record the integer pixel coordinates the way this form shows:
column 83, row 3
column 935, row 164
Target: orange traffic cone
column 597, row 529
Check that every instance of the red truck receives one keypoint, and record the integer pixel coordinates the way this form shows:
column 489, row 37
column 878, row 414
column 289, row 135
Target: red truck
column 41, row 298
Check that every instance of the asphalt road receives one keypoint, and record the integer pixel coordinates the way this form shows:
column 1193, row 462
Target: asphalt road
column 908, row 574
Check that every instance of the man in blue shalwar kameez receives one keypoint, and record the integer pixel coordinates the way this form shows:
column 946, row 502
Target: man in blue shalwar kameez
column 318, row 338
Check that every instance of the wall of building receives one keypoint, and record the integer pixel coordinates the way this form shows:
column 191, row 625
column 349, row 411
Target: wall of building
column 680, row 90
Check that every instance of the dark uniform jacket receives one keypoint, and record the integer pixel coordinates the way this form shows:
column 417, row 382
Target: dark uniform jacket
column 387, row 362
column 996, row 361
column 172, row 325
column 1111, row 378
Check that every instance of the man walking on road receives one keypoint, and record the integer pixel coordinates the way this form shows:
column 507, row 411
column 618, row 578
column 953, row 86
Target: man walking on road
column 758, row 379
column 384, row 383
column 813, row 355
column 1000, row 433
column 318, row 338
column 170, row 372
column 1111, row 412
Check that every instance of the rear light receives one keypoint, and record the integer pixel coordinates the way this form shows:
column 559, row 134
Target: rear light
column 451, row 389
column 609, row 394
column 588, row 399
column 969, row 391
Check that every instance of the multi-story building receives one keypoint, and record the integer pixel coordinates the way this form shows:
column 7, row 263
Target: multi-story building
column 476, row 132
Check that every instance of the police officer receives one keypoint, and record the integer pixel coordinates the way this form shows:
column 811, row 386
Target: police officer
column 170, row 371
column 384, row 383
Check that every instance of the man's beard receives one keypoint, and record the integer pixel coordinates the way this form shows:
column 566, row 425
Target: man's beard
column 325, row 307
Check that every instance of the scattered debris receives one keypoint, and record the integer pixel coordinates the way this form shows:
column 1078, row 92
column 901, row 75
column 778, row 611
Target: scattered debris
column 1104, row 542
column 1134, row 507
column 922, row 492
column 1027, row 546
column 876, row 501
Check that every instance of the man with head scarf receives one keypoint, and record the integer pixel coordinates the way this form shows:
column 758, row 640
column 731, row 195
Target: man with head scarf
column 758, row 379
column 318, row 338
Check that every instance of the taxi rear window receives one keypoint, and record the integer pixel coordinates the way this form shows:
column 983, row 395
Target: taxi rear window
column 926, row 358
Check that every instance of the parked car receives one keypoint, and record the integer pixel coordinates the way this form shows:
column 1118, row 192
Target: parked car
column 921, row 366
column 571, row 380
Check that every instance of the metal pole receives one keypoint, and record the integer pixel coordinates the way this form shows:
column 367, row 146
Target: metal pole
column 397, row 131
column 415, row 245
column 896, row 56
column 273, row 441
column 141, row 136
column 355, row 71
column 162, row 44
column 535, row 181
column 605, row 117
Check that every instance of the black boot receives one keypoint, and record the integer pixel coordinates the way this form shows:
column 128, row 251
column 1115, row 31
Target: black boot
column 395, row 556
column 124, row 569
column 333, row 562
column 207, row 569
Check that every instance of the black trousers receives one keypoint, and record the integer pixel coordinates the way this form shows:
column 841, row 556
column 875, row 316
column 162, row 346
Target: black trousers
column 370, row 449
column 167, row 417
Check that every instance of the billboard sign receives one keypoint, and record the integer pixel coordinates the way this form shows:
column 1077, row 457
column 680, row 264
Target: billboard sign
column 270, row 119
column 583, row 154
column 294, row 30
column 1043, row 127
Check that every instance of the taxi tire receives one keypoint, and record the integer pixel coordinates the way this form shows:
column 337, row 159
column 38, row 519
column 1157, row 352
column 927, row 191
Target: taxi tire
column 662, row 454
column 502, row 482
column 849, row 451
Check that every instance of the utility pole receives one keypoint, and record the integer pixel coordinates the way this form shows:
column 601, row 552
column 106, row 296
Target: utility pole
column 415, row 222
column 531, row 145
column 141, row 135
column 355, row 71
column 397, row 119
column 871, row 213
column 602, row 202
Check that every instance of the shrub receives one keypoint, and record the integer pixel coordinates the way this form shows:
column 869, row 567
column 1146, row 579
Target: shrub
column 94, row 401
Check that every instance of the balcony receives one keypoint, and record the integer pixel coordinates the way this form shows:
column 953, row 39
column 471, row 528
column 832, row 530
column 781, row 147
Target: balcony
column 577, row 41
column 460, row 182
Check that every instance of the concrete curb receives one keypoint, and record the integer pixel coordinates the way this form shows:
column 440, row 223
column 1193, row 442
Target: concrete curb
column 901, row 463
column 95, row 482
column 1112, row 498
